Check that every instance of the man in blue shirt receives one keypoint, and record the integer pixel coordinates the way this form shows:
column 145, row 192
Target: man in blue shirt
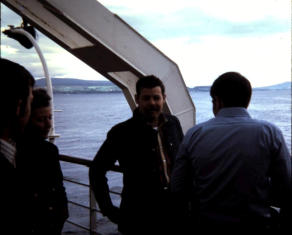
column 233, row 169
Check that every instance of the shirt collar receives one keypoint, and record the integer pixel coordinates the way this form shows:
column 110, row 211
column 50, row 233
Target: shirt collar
column 233, row 112
column 8, row 150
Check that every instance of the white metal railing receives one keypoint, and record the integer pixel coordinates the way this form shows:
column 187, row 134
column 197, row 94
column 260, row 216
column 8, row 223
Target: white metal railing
column 92, row 202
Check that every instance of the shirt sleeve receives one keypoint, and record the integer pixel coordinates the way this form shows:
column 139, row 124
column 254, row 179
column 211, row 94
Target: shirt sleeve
column 280, row 173
column 103, row 162
column 180, row 173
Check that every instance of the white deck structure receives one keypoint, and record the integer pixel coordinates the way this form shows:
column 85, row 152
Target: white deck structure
column 106, row 43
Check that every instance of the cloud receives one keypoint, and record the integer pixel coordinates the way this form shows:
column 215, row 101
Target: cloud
column 196, row 25
column 247, row 10
column 264, row 60
column 6, row 49
column 169, row 19
column 209, row 37
column 204, row 37
column 60, row 63
column 230, row 10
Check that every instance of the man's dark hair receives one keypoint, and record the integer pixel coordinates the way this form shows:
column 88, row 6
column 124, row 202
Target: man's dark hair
column 40, row 99
column 15, row 84
column 233, row 89
column 149, row 82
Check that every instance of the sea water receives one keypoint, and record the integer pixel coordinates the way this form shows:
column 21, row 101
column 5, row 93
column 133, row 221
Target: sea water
column 85, row 119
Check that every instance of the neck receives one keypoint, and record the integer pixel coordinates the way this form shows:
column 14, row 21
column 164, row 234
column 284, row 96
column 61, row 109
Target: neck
column 153, row 123
column 6, row 135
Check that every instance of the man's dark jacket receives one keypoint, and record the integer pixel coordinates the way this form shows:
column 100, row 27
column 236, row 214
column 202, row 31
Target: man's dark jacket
column 43, row 193
column 134, row 145
column 9, row 198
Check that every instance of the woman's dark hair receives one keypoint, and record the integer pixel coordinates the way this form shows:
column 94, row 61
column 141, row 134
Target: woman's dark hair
column 40, row 99
column 149, row 82
column 233, row 89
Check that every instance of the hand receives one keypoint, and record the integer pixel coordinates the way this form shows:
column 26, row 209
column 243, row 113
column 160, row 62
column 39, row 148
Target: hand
column 114, row 214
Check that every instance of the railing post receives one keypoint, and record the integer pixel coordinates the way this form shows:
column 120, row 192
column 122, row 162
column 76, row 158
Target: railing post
column 92, row 212
column 92, row 207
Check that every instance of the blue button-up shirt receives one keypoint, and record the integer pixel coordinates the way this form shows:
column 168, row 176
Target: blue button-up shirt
column 236, row 165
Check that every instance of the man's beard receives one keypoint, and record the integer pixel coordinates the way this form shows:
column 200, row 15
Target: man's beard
column 152, row 114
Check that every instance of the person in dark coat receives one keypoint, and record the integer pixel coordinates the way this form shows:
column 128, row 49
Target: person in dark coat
column 145, row 147
column 15, row 98
column 40, row 172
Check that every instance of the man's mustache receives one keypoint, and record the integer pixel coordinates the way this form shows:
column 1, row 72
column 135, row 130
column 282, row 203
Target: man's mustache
column 151, row 109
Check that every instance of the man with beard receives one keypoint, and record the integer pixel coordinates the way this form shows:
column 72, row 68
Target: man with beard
column 145, row 147
column 15, row 98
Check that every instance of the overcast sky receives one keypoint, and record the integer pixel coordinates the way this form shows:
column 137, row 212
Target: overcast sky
column 204, row 37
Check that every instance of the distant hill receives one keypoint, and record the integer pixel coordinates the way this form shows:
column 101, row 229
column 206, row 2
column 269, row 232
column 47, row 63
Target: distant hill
column 200, row 88
column 72, row 85
column 74, row 82
column 280, row 86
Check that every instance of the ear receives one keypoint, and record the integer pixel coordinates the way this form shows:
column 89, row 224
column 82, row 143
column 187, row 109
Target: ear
column 18, row 107
column 220, row 103
column 164, row 98
column 136, row 99
column 217, row 104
